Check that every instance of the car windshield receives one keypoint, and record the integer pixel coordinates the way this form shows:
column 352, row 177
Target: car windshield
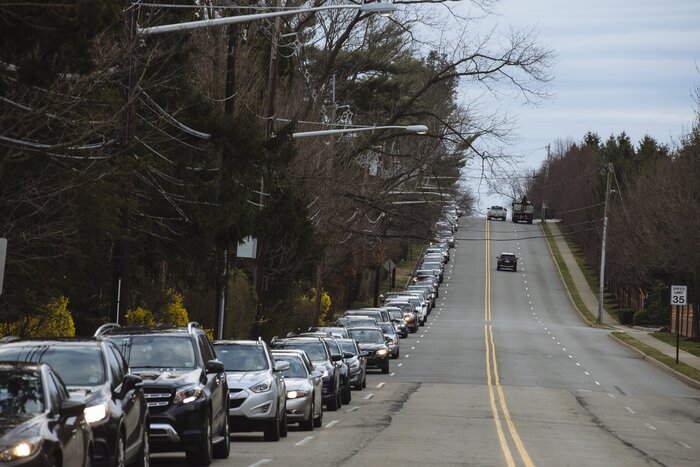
column 296, row 366
column 396, row 314
column 355, row 322
column 161, row 352
column 367, row 336
column 333, row 345
column 507, row 256
column 315, row 350
column 387, row 328
column 76, row 365
column 20, row 393
column 242, row 357
column 348, row 346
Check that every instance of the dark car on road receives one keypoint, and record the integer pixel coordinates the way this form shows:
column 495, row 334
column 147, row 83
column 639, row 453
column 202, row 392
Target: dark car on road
column 506, row 261
column 40, row 424
column 94, row 371
column 372, row 340
column 185, row 388
column 320, row 356
column 357, row 363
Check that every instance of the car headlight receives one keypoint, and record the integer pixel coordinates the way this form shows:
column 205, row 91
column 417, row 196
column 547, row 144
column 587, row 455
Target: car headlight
column 187, row 394
column 382, row 352
column 408, row 319
column 95, row 413
column 262, row 386
column 296, row 394
column 20, row 450
column 354, row 364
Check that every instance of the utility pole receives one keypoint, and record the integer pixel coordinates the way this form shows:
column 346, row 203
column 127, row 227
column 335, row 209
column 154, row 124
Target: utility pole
column 608, row 184
column 122, row 267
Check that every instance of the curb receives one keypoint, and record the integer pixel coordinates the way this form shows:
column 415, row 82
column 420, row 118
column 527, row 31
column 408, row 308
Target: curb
column 686, row 379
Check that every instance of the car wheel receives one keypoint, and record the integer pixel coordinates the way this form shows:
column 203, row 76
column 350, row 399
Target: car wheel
column 385, row 369
column 347, row 396
column 272, row 432
column 144, row 458
column 364, row 381
column 398, row 353
column 318, row 421
column 203, row 453
column 339, row 396
column 223, row 448
column 120, row 453
column 498, row 268
column 283, row 425
column 309, row 423
column 515, row 269
column 334, row 404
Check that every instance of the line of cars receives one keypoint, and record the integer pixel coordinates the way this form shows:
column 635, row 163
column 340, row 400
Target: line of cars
column 126, row 392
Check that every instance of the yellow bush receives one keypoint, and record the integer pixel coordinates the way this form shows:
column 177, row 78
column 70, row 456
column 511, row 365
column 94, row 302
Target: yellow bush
column 54, row 320
column 140, row 316
column 175, row 313
column 325, row 307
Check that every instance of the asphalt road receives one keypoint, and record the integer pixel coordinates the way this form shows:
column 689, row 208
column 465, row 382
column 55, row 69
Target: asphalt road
column 504, row 373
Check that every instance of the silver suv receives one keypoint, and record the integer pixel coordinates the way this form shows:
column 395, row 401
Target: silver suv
column 257, row 393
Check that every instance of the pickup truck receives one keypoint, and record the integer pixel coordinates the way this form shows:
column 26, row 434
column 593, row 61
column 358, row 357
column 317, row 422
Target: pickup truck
column 499, row 212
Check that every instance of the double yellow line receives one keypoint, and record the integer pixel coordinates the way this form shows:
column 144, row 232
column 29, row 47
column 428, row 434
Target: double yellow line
column 492, row 378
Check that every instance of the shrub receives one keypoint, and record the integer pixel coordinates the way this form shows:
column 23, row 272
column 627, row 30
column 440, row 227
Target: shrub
column 54, row 320
column 140, row 316
column 175, row 312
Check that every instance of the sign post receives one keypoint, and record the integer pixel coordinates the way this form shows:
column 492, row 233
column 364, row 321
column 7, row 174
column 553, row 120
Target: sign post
column 3, row 254
column 390, row 266
column 679, row 298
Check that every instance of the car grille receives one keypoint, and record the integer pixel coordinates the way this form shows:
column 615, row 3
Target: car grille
column 157, row 398
column 235, row 403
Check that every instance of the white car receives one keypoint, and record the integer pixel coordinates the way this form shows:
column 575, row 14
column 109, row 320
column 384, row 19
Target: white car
column 304, row 389
column 498, row 212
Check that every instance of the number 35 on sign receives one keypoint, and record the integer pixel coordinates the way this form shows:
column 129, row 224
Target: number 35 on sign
column 679, row 295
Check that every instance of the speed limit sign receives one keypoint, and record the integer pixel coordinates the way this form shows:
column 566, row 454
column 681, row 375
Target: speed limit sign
column 679, row 295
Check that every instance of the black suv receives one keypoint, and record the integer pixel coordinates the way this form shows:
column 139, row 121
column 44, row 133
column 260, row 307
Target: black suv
column 323, row 361
column 185, row 388
column 95, row 372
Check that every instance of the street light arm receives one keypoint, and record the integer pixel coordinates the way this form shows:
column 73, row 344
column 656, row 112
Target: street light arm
column 381, row 8
column 419, row 129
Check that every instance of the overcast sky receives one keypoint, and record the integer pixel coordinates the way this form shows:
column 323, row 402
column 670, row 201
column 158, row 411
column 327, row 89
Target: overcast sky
column 621, row 65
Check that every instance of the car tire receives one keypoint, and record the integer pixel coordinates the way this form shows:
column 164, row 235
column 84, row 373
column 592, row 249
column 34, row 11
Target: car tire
column 334, row 404
column 144, row 457
column 339, row 397
column 308, row 424
column 283, row 425
column 515, row 269
column 318, row 421
column 398, row 353
column 223, row 449
column 272, row 431
column 347, row 394
column 385, row 369
column 202, row 455
column 364, row 381
column 498, row 268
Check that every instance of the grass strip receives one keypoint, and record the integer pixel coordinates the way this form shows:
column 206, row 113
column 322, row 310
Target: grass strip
column 692, row 347
column 686, row 370
column 566, row 275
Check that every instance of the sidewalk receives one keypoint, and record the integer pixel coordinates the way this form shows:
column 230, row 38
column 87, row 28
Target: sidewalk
column 590, row 299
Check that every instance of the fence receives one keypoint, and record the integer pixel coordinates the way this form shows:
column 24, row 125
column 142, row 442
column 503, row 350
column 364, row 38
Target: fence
column 683, row 316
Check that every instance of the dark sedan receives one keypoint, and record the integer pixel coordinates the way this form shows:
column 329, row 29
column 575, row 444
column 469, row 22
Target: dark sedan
column 40, row 425
column 372, row 341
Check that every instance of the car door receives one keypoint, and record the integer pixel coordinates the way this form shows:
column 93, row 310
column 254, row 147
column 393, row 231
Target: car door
column 130, row 404
column 69, row 431
column 215, row 381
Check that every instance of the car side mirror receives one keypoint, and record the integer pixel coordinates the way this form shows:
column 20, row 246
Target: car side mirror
column 281, row 366
column 215, row 366
column 335, row 357
column 71, row 408
column 316, row 374
column 365, row 354
column 348, row 355
column 388, row 339
column 129, row 383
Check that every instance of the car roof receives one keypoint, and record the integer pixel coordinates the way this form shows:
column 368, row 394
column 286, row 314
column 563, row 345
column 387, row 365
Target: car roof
column 507, row 253
column 236, row 342
column 63, row 342
column 366, row 328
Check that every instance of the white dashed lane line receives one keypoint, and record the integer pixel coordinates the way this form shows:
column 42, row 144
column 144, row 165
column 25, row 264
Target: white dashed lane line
column 650, row 426
column 683, row 444
column 353, row 409
column 261, row 462
column 332, row 424
column 380, row 385
column 368, row 397
column 629, row 409
column 304, row 441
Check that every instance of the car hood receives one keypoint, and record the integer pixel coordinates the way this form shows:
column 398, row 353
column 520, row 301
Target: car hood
column 18, row 426
column 370, row 346
column 298, row 384
column 244, row 379
column 89, row 394
column 168, row 376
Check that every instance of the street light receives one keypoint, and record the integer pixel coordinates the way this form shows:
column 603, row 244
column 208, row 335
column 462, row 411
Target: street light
column 418, row 129
column 380, row 8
